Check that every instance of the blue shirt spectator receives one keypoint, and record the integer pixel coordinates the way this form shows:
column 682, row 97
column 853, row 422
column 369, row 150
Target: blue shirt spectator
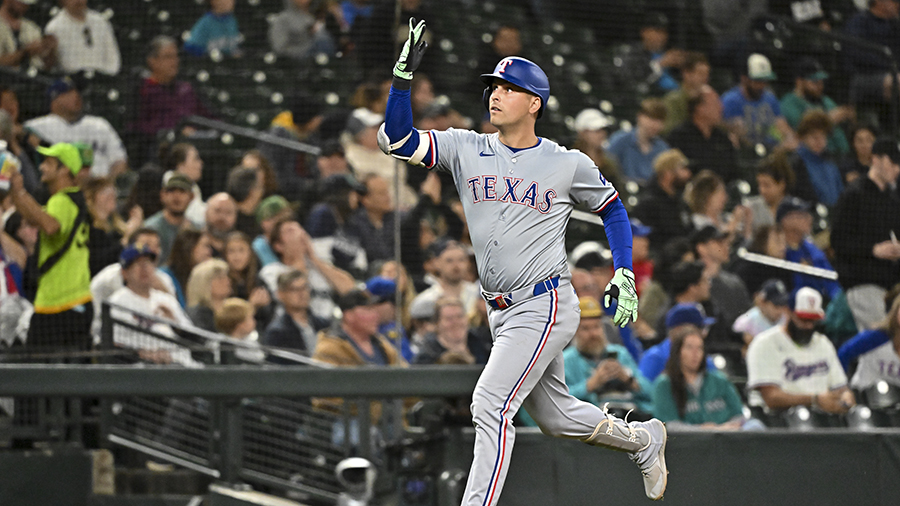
column 757, row 115
column 824, row 175
column 215, row 31
column 635, row 150
column 809, row 254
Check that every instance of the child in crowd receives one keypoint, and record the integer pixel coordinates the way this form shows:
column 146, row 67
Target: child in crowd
column 770, row 308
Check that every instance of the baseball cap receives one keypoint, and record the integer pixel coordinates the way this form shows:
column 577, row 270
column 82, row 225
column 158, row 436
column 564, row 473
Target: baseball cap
column 685, row 313
column 811, row 70
column 590, row 254
column 337, row 182
column 66, row 153
column 131, row 254
column 638, row 229
column 354, row 299
column 86, row 153
column 270, row 207
column 178, row 181
column 759, row 68
column 775, row 292
column 655, row 20
column 382, row 288
column 362, row 118
column 706, row 234
column 808, row 304
column 60, row 86
column 421, row 308
column 790, row 205
column 885, row 146
column 590, row 308
column 592, row 119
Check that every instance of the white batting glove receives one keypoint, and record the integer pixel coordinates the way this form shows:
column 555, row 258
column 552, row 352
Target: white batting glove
column 622, row 288
column 412, row 52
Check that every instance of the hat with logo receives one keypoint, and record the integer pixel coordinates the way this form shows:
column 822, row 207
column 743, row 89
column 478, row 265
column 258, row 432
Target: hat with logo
column 808, row 304
column 66, row 153
column 590, row 308
column 759, row 68
column 688, row 313
column 132, row 253
column 592, row 119
column 179, row 181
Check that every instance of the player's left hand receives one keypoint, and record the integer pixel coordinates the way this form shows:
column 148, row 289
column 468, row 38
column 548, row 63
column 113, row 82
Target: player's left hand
column 412, row 52
column 622, row 289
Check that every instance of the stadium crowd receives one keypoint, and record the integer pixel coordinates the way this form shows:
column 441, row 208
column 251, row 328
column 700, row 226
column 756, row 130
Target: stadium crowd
column 298, row 251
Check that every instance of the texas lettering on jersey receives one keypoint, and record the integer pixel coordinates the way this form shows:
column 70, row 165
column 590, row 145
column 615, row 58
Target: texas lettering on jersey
column 510, row 190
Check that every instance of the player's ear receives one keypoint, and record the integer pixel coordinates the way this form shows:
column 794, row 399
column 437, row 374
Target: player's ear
column 535, row 105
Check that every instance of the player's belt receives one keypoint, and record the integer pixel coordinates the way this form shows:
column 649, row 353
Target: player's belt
column 505, row 300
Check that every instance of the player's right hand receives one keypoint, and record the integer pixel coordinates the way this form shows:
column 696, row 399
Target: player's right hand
column 412, row 52
column 622, row 288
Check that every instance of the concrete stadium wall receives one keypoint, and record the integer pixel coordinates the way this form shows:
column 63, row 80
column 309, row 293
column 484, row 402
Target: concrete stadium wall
column 825, row 467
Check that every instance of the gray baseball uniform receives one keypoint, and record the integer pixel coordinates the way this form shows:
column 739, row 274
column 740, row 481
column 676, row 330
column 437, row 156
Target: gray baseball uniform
column 517, row 203
column 517, row 206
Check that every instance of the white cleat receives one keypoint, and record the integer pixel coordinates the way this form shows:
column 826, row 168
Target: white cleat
column 652, row 458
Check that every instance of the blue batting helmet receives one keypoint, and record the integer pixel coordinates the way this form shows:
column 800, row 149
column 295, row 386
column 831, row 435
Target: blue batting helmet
column 524, row 74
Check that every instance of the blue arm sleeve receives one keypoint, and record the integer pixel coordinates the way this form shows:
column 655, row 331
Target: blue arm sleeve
column 630, row 342
column 861, row 343
column 398, row 120
column 618, row 233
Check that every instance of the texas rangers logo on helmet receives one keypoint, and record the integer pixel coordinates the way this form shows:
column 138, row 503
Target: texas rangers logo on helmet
column 501, row 67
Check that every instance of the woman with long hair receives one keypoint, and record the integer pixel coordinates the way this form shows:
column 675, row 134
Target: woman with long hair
column 207, row 289
column 108, row 232
column 243, row 267
column 687, row 394
column 268, row 181
column 190, row 247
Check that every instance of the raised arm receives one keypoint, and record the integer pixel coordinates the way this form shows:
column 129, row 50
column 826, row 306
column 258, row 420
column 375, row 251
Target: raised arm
column 397, row 137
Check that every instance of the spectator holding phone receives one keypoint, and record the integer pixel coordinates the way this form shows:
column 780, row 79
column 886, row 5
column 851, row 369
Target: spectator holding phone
column 598, row 371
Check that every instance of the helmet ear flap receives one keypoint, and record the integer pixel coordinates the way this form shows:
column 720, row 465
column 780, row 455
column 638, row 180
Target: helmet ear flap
column 486, row 98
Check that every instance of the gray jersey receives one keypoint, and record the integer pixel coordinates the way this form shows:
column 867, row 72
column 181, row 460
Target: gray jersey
column 517, row 205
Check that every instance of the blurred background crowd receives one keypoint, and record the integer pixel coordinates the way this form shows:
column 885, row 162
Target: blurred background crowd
column 215, row 165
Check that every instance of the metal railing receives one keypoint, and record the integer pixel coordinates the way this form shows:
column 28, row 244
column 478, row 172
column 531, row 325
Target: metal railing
column 233, row 421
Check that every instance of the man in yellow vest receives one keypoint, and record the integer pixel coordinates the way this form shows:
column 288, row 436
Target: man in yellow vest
column 62, row 306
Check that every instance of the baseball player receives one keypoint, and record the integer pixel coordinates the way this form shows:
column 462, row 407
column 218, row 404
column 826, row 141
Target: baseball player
column 517, row 191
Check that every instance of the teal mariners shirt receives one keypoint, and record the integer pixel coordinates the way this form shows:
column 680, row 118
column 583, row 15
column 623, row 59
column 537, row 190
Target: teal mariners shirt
column 579, row 368
column 717, row 401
